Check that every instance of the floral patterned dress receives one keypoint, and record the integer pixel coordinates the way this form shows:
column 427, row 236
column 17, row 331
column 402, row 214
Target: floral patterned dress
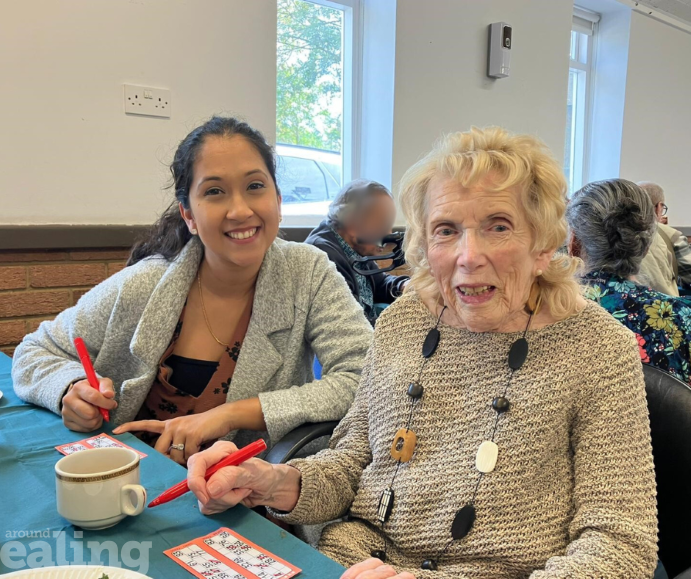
column 165, row 401
column 662, row 323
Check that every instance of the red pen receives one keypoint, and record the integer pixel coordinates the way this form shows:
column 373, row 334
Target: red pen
column 89, row 369
column 238, row 457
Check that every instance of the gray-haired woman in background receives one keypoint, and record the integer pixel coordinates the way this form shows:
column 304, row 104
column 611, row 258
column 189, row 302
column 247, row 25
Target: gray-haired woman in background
column 612, row 226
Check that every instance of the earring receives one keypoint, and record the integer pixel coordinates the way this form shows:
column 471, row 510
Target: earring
column 194, row 232
column 538, row 273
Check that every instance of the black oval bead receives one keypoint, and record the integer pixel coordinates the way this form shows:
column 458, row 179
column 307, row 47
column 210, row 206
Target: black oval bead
column 463, row 522
column 429, row 565
column 518, row 353
column 378, row 554
column 415, row 390
column 431, row 343
column 501, row 404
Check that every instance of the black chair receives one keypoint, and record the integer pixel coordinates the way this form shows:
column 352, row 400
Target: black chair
column 669, row 404
column 297, row 439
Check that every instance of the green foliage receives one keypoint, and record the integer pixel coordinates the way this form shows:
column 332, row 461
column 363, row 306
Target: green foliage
column 309, row 74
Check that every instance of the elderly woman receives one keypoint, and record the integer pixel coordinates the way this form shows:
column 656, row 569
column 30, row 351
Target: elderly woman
column 500, row 429
column 613, row 224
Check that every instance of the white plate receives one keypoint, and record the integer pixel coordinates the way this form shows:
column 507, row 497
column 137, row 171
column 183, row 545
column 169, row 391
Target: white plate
column 77, row 572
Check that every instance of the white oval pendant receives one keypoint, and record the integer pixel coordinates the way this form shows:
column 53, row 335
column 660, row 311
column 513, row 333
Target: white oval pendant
column 486, row 458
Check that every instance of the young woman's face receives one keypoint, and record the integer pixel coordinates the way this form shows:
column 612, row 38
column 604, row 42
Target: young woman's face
column 233, row 202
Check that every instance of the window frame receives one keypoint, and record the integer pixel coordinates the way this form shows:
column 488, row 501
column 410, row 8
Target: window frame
column 352, row 83
column 582, row 135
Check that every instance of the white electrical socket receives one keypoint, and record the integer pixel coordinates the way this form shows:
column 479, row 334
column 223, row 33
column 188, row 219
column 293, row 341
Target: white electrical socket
column 143, row 100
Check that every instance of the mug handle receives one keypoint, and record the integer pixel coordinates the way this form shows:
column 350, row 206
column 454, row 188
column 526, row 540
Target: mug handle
column 128, row 507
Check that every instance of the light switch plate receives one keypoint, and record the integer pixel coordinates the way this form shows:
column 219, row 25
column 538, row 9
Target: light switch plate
column 148, row 101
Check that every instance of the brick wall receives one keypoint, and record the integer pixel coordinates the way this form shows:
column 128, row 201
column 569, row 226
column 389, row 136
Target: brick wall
column 36, row 285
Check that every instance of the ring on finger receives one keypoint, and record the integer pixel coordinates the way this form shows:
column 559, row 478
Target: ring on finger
column 180, row 447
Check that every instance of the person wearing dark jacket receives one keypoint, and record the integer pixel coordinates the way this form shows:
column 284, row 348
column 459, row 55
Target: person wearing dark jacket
column 359, row 217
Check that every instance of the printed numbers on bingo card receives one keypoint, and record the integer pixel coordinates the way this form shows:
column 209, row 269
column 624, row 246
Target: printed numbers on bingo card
column 227, row 555
column 99, row 441
column 102, row 441
column 72, row 448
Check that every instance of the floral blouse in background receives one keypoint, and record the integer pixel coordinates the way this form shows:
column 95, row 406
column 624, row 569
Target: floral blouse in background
column 662, row 323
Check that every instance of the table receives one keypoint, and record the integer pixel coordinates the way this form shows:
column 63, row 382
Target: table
column 28, row 436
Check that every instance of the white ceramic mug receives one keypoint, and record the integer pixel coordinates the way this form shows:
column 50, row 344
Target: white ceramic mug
column 97, row 488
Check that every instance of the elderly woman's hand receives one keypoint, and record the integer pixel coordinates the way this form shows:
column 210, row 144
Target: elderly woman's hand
column 374, row 569
column 253, row 483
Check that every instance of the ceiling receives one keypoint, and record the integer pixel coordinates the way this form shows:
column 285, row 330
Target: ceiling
column 679, row 9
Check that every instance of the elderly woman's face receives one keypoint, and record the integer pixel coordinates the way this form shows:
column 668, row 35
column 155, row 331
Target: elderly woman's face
column 479, row 251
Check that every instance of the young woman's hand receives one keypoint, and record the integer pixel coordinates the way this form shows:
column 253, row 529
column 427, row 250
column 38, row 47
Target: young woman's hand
column 188, row 432
column 81, row 404
column 253, row 483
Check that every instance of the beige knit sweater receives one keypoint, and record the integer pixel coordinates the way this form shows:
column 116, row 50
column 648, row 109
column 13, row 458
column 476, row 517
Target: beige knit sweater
column 573, row 492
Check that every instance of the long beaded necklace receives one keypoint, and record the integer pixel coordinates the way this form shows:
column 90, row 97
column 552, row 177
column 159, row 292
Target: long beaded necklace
column 405, row 440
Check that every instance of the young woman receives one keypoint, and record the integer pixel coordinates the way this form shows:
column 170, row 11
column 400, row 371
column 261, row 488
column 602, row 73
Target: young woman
column 213, row 327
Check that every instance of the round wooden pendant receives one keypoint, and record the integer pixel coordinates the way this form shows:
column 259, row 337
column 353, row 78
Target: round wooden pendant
column 403, row 445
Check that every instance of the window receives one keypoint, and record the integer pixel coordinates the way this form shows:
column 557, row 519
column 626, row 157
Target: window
column 308, row 175
column 316, row 120
column 578, row 99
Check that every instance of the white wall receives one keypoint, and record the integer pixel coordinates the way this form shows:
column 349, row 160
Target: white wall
column 657, row 113
column 441, row 63
column 68, row 153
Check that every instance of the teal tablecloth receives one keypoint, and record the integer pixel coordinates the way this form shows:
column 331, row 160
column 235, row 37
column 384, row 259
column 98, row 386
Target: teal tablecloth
column 28, row 436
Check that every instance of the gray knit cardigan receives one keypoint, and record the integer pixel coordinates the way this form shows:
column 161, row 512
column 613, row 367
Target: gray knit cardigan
column 302, row 306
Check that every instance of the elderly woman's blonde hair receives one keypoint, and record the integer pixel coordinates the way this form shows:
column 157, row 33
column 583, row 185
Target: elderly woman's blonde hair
column 499, row 160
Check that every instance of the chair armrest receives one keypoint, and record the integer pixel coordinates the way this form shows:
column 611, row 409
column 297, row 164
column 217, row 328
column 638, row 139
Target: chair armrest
column 297, row 439
column 685, row 575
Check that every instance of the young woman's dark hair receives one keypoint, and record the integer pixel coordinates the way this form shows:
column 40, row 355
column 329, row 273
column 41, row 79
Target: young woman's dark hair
column 169, row 234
